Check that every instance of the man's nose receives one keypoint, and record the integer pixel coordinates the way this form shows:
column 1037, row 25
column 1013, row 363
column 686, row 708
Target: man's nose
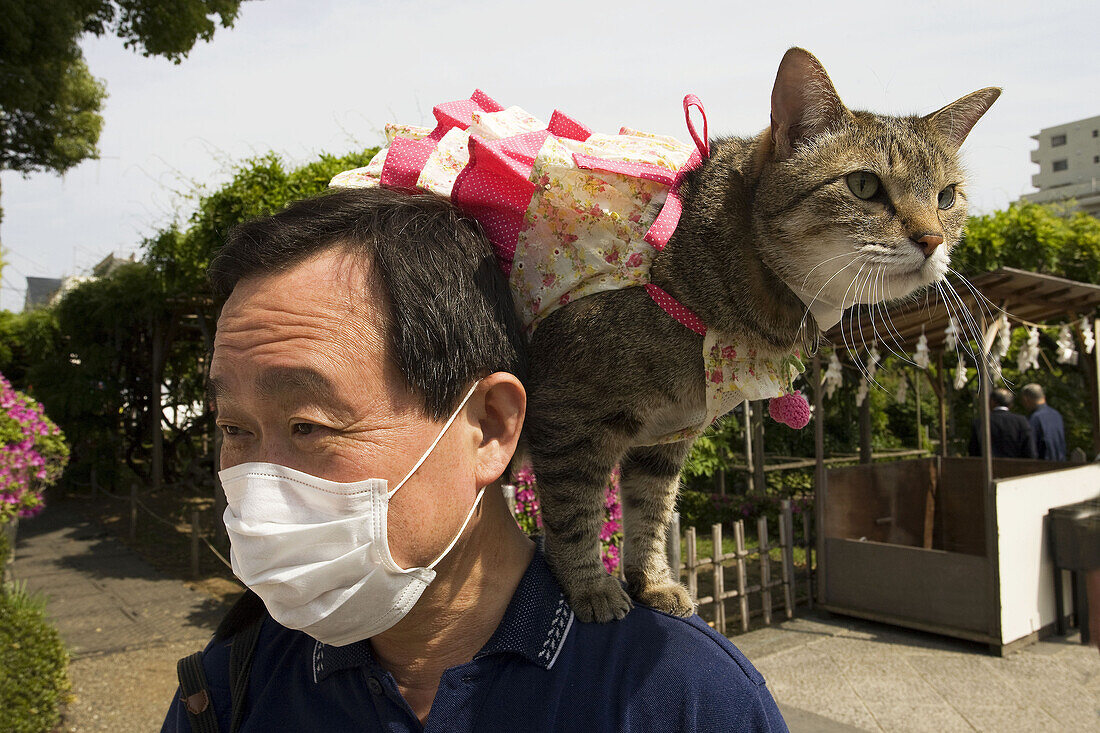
column 927, row 242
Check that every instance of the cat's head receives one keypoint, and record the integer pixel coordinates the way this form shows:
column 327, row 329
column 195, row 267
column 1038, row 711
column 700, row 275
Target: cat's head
column 854, row 207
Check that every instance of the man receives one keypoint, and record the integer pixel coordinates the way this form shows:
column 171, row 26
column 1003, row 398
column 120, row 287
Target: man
column 367, row 375
column 1010, row 435
column 1046, row 422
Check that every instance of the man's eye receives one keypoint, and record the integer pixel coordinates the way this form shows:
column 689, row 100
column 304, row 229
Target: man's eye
column 232, row 430
column 303, row 428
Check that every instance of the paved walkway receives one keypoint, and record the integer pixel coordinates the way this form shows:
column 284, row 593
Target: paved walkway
column 126, row 625
column 856, row 675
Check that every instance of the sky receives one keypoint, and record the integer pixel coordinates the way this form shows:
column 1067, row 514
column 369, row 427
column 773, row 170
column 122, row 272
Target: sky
column 301, row 78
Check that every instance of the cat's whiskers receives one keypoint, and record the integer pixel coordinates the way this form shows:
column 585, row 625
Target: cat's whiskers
column 844, row 332
column 877, row 294
column 806, row 279
column 813, row 300
column 962, row 340
column 867, row 289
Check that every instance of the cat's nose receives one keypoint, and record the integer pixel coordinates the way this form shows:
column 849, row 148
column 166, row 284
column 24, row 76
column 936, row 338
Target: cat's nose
column 927, row 243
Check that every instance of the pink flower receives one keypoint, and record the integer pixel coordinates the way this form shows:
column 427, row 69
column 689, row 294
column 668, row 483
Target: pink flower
column 716, row 376
column 634, row 260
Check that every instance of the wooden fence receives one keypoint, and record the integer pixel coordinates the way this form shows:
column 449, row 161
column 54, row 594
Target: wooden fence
column 752, row 570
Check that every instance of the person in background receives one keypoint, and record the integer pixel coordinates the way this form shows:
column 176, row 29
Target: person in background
column 1010, row 435
column 1046, row 423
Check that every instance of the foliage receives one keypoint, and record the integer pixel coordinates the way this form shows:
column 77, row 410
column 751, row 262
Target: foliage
column 611, row 532
column 49, row 102
column 89, row 359
column 1040, row 238
column 33, row 454
column 33, row 665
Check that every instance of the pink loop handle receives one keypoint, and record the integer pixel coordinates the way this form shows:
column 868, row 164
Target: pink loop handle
column 703, row 144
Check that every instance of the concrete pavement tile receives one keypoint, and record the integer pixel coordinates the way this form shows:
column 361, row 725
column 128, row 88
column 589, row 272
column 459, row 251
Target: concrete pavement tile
column 810, row 681
column 1011, row 719
column 1075, row 714
column 803, row 721
column 908, row 717
column 890, row 680
column 765, row 642
column 965, row 681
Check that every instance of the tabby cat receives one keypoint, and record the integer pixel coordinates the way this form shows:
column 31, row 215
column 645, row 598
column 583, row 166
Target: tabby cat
column 826, row 206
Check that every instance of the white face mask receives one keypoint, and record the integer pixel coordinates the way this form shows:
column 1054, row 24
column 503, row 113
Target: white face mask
column 316, row 551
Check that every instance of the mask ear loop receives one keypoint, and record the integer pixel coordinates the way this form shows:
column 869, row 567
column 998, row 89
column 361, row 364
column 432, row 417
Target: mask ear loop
column 461, row 529
column 436, row 441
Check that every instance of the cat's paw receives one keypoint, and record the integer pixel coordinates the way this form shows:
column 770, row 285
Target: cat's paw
column 671, row 598
column 601, row 601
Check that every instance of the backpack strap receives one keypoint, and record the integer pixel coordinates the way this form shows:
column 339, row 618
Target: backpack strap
column 240, row 665
column 195, row 694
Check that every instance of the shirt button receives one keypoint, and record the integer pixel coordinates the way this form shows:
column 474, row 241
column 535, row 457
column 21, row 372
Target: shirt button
column 374, row 686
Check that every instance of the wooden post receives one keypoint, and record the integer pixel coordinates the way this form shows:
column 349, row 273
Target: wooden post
column 719, row 592
column 672, row 546
column 989, row 498
column 865, row 429
column 194, row 543
column 941, row 393
column 156, row 409
column 920, row 428
column 95, row 484
column 806, row 538
column 747, row 405
column 765, row 570
column 692, row 563
column 786, row 542
column 1096, row 392
column 133, row 511
column 742, row 593
column 820, row 491
column 721, row 482
column 758, row 483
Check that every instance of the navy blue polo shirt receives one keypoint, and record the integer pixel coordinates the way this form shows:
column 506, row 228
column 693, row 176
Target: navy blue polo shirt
column 1050, row 433
column 542, row 670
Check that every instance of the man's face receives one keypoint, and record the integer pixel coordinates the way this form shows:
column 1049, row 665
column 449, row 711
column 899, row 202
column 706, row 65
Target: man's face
column 300, row 378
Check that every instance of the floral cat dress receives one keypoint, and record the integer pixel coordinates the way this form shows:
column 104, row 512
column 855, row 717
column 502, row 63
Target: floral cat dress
column 570, row 213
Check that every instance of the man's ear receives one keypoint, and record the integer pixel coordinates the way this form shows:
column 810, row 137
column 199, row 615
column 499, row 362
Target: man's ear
column 498, row 406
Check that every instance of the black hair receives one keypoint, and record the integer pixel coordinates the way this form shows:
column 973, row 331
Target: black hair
column 451, row 318
column 1001, row 397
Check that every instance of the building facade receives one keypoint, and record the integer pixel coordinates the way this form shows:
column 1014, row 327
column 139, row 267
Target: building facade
column 1069, row 165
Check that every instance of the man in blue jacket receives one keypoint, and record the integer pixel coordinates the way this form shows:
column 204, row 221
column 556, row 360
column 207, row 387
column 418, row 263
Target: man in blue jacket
column 367, row 380
column 1046, row 423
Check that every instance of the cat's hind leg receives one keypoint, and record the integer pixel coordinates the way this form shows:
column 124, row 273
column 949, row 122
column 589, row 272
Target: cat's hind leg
column 573, row 460
column 650, row 480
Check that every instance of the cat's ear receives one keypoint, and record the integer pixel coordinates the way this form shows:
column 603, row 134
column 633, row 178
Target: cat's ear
column 955, row 121
column 804, row 102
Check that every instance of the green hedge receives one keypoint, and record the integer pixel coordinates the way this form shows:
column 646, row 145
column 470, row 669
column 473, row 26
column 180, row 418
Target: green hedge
column 34, row 665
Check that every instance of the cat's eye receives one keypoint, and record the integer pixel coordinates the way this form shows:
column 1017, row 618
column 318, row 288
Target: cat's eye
column 864, row 184
column 947, row 197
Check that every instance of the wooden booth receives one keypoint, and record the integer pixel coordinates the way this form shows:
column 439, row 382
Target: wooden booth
column 953, row 545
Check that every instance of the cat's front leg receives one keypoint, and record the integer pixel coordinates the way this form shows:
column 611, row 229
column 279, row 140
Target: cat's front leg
column 650, row 480
column 573, row 458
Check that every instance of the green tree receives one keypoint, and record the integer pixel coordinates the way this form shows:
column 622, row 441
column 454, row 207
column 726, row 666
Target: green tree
column 49, row 102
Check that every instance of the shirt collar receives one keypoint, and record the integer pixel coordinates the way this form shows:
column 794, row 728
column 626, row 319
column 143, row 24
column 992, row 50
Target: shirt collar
column 535, row 626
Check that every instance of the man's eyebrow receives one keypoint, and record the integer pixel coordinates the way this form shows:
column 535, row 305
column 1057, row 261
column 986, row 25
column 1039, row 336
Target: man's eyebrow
column 300, row 384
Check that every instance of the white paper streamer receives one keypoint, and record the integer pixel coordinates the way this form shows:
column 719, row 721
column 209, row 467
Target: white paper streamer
column 903, row 391
column 1028, row 358
column 922, row 357
column 960, row 374
column 1066, row 346
column 834, row 376
column 861, row 393
column 1087, row 336
column 950, row 335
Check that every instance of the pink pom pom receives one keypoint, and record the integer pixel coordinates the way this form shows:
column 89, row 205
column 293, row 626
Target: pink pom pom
column 790, row 409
